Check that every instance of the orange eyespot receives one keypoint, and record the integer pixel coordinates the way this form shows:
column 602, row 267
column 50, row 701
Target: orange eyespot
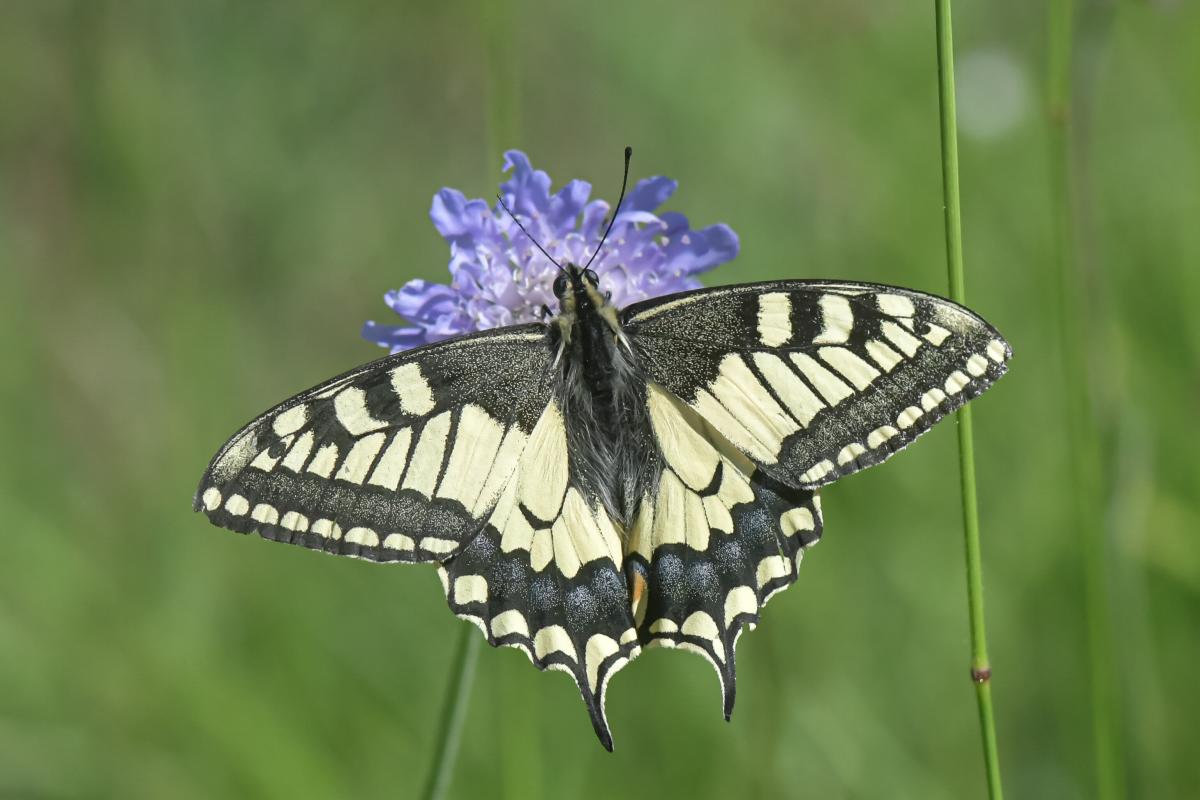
column 635, row 573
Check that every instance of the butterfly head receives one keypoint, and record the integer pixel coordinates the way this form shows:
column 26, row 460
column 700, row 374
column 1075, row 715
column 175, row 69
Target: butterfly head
column 580, row 301
column 576, row 280
column 577, row 289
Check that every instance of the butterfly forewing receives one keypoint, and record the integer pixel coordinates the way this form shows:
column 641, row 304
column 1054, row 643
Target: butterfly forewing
column 400, row 460
column 814, row 380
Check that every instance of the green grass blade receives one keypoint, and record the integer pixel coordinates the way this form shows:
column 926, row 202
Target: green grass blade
column 980, row 667
column 454, row 711
column 1086, row 479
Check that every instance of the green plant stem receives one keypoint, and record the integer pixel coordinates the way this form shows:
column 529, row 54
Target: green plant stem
column 1084, row 464
column 980, row 667
column 501, row 79
column 454, row 711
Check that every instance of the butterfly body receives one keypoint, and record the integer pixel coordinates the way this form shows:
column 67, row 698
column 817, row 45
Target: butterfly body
column 610, row 479
column 601, row 388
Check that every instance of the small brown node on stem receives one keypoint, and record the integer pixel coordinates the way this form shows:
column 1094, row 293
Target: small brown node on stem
column 981, row 675
column 1059, row 114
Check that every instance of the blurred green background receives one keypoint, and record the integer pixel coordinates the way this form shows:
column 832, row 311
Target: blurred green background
column 200, row 202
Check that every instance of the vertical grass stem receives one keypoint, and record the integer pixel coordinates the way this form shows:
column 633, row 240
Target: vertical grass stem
column 980, row 667
column 454, row 711
column 1087, row 481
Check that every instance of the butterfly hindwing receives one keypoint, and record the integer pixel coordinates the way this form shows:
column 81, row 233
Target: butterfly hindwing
column 399, row 460
column 544, row 573
column 714, row 542
column 814, row 380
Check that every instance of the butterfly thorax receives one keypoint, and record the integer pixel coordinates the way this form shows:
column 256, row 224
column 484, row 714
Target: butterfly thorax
column 601, row 389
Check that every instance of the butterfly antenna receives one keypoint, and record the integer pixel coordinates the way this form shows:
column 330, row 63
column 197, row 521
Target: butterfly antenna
column 617, row 210
column 527, row 233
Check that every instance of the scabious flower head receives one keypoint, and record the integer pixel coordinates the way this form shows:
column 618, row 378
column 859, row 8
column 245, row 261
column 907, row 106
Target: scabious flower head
column 499, row 277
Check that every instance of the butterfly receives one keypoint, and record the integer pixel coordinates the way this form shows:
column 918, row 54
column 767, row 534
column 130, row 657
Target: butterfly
column 610, row 479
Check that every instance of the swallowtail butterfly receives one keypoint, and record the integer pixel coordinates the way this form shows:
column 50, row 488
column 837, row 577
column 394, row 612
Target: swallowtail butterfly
column 610, row 479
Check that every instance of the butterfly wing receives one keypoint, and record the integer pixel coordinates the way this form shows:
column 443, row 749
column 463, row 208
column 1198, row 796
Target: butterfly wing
column 544, row 574
column 714, row 542
column 400, row 460
column 814, row 380
column 758, row 395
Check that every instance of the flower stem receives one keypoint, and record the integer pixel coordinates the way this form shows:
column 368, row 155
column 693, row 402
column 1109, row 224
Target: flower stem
column 454, row 711
column 980, row 667
column 1086, row 479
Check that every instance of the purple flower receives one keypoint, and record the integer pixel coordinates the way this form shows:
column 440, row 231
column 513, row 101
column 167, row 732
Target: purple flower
column 498, row 277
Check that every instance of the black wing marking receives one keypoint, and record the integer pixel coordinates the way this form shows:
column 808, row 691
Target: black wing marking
column 399, row 460
column 544, row 574
column 714, row 543
column 814, row 380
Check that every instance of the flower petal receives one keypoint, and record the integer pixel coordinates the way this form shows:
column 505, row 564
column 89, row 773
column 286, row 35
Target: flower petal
column 593, row 217
column 632, row 216
column 528, row 190
column 567, row 204
column 700, row 251
column 420, row 299
column 456, row 217
column 649, row 194
column 393, row 337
